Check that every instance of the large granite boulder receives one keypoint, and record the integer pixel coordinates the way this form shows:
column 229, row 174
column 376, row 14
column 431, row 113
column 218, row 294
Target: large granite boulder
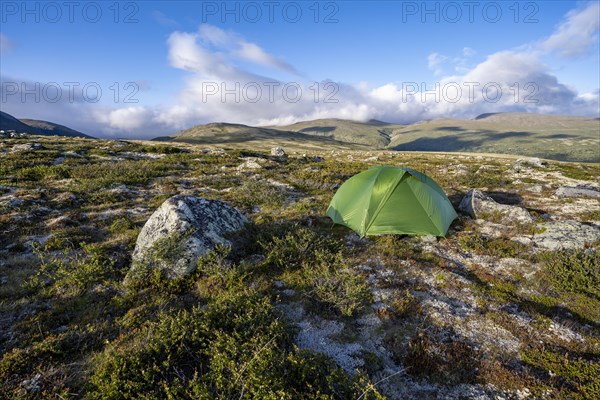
column 181, row 230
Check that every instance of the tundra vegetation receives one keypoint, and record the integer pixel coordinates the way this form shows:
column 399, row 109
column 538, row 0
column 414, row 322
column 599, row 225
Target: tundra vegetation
column 482, row 312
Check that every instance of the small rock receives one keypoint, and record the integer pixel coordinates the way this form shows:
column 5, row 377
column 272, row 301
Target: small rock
column 119, row 143
column 559, row 235
column 278, row 152
column 428, row 239
column 535, row 189
column 27, row 147
column 374, row 158
column 248, row 165
column 11, row 202
column 317, row 159
column 578, row 191
column 65, row 198
column 61, row 222
column 529, row 162
column 122, row 190
column 33, row 384
column 71, row 153
column 476, row 203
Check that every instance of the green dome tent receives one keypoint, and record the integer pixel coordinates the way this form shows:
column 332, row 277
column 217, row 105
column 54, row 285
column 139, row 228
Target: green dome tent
column 392, row 200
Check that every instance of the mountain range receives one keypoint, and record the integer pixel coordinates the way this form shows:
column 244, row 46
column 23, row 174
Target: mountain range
column 558, row 137
column 37, row 127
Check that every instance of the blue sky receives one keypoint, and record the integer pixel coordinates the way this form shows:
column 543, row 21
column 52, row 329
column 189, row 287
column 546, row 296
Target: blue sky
column 175, row 59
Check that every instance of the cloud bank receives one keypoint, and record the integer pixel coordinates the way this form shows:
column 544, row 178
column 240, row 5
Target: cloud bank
column 222, row 85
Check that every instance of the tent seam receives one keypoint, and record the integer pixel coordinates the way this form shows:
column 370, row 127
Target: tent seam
column 386, row 197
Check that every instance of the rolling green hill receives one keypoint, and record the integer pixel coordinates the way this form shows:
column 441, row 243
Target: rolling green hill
column 234, row 135
column 375, row 134
column 37, row 127
column 558, row 137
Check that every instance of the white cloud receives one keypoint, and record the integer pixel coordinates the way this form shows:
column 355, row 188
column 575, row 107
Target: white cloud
column 186, row 54
column 212, row 56
column 216, row 36
column 468, row 52
column 433, row 62
column 576, row 33
column 252, row 52
column 125, row 119
column 233, row 46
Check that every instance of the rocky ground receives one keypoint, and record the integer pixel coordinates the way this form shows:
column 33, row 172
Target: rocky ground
column 507, row 306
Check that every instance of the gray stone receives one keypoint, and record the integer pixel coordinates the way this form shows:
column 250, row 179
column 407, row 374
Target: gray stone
column 248, row 165
column 578, row 191
column 278, row 152
column 27, row 147
column 535, row 189
column 529, row 162
column 428, row 239
column 119, row 143
column 477, row 205
column 188, row 227
column 559, row 235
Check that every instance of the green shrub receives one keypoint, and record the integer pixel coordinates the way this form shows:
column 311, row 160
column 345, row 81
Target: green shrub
column 236, row 347
column 121, row 225
column 477, row 178
column 335, row 284
column 315, row 265
column 590, row 216
column 497, row 247
column 582, row 172
column 576, row 272
column 40, row 172
column 91, row 177
column 575, row 377
column 71, row 272
column 298, row 247
column 258, row 193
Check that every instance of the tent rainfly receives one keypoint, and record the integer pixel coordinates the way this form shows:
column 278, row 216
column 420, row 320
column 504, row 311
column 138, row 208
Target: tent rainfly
column 392, row 200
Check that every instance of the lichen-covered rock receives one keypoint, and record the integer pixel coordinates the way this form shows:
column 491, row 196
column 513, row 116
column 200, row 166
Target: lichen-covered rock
column 578, row 191
column 278, row 152
column 248, row 165
column 559, row 235
column 529, row 162
column 27, row 147
column 182, row 229
column 479, row 205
